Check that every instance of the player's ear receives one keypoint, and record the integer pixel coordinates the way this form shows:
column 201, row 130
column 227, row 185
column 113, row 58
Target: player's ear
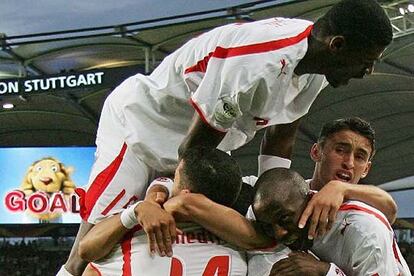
column 366, row 170
column 316, row 152
column 336, row 43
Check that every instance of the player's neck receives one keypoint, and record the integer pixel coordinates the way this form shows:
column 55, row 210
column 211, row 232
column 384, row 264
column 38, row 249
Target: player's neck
column 315, row 184
column 313, row 61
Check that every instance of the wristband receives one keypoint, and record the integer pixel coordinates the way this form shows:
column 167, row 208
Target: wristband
column 334, row 270
column 128, row 217
column 163, row 181
column 267, row 162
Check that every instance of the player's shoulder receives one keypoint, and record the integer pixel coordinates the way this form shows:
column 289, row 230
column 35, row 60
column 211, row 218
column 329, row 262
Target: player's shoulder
column 277, row 26
column 363, row 218
column 125, row 92
column 278, row 23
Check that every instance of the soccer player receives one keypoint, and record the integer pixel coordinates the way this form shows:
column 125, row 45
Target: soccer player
column 342, row 156
column 196, row 251
column 361, row 241
column 238, row 78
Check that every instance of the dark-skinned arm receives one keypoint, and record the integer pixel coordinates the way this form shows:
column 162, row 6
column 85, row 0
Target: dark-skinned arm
column 301, row 263
column 200, row 134
column 100, row 240
column 279, row 140
column 75, row 265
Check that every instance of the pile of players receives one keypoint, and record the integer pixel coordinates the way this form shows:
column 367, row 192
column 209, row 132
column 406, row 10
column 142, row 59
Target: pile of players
column 216, row 91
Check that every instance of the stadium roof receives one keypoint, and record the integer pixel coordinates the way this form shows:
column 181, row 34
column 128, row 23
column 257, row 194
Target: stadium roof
column 68, row 114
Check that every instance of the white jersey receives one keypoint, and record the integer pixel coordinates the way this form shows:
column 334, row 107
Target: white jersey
column 362, row 242
column 196, row 252
column 238, row 77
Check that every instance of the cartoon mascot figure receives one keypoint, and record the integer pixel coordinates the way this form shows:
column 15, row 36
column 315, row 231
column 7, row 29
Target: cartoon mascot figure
column 50, row 176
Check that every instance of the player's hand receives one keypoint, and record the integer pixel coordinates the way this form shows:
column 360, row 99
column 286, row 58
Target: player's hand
column 322, row 208
column 176, row 206
column 157, row 194
column 299, row 264
column 159, row 226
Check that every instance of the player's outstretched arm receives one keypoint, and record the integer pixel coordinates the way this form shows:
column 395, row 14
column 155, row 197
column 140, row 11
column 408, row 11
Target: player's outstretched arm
column 156, row 222
column 322, row 208
column 222, row 221
column 200, row 134
column 100, row 240
column 75, row 265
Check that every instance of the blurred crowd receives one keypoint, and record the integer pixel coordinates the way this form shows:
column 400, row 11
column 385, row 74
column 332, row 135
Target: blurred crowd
column 31, row 257
column 43, row 257
column 407, row 250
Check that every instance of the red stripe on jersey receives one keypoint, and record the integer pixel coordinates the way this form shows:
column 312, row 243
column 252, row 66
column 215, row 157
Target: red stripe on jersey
column 366, row 210
column 176, row 267
column 113, row 202
column 202, row 116
column 96, row 269
column 101, row 181
column 381, row 218
column 131, row 200
column 220, row 52
column 394, row 249
column 126, row 251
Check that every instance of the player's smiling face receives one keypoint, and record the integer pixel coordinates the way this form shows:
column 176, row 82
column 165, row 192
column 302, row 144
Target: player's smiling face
column 344, row 156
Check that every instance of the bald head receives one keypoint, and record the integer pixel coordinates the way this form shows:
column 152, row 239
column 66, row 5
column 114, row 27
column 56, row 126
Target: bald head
column 280, row 187
column 280, row 199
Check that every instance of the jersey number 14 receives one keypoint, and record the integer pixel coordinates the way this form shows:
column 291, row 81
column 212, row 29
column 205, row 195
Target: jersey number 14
column 216, row 266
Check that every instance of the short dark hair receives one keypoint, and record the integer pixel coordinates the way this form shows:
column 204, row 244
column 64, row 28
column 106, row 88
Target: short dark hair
column 355, row 124
column 213, row 173
column 363, row 23
column 276, row 186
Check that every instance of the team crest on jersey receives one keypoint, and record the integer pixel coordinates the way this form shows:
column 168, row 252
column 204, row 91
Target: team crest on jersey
column 226, row 111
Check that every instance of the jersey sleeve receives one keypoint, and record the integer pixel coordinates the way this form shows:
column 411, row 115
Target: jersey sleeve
column 373, row 255
column 230, row 85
